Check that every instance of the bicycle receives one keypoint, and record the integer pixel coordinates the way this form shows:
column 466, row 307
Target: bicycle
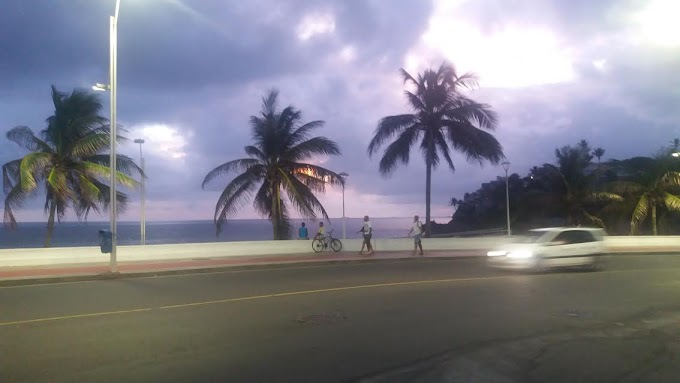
column 322, row 243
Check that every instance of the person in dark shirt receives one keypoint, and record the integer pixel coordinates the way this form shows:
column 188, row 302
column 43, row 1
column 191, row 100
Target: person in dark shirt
column 302, row 232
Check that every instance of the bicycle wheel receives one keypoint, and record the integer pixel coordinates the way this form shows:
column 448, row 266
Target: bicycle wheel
column 336, row 245
column 317, row 245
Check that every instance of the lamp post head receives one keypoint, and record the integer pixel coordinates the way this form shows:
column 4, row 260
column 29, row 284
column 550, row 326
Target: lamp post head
column 506, row 165
column 101, row 87
column 139, row 141
column 675, row 154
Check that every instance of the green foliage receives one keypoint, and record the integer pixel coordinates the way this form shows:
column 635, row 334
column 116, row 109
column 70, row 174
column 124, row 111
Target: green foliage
column 277, row 170
column 67, row 160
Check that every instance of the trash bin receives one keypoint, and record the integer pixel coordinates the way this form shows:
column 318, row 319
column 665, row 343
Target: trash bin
column 105, row 241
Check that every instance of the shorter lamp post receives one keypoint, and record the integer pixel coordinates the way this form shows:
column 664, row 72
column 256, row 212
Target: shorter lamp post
column 506, row 167
column 142, row 222
column 343, row 177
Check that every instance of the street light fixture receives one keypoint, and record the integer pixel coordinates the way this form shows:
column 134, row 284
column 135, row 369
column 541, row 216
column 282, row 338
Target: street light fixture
column 113, row 135
column 343, row 177
column 142, row 222
column 675, row 154
column 101, row 87
column 506, row 167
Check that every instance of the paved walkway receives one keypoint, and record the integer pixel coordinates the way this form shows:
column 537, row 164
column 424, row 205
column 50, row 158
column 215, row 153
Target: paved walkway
column 168, row 266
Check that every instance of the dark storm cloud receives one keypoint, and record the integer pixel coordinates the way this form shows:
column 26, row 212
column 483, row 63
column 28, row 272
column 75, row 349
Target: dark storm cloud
column 201, row 67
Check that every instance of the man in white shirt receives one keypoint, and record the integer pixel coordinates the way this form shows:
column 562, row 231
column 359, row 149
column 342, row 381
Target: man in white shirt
column 417, row 230
column 367, row 230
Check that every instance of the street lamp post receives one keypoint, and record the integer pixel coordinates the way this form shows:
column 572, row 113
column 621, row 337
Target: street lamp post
column 344, row 177
column 506, row 167
column 113, row 163
column 142, row 222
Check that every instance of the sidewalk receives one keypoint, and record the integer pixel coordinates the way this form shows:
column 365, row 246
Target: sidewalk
column 101, row 270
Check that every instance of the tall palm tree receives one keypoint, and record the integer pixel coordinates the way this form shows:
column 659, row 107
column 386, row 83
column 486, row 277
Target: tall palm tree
column 278, row 162
column 68, row 160
column 443, row 118
column 655, row 183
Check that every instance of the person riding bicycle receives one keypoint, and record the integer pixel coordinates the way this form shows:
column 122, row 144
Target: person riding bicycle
column 322, row 231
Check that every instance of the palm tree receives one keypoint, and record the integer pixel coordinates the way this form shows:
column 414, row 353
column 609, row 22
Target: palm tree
column 68, row 160
column 442, row 118
column 567, row 188
column 654, row 182
column 278, row 162
column 598, row 153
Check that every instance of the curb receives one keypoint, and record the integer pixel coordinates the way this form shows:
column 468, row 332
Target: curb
column 208, row 269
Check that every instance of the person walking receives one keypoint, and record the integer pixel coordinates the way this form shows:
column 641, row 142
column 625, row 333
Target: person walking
column 367, row 231
column 303, row 233
column 417, row 231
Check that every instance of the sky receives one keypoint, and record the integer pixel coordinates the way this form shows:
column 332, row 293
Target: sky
column 191, row 72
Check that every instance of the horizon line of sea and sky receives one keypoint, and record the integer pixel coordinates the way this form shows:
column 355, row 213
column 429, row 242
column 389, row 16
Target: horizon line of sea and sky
column 86, row 233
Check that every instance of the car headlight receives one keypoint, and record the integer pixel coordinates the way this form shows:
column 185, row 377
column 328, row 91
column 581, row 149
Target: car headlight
column 497, row 253
column 521, row 254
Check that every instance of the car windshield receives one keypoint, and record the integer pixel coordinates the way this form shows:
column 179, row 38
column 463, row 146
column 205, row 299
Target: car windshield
column 531, row 237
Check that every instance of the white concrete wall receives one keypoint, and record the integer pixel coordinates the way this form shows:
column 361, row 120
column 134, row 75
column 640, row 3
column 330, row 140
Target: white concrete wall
column 71, row 255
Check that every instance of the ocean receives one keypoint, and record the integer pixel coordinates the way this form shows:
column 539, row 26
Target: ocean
column 74, row 234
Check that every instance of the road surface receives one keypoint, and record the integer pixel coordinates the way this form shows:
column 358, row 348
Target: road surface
column 391, row 321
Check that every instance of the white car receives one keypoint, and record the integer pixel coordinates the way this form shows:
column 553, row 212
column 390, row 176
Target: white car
column 544, row 249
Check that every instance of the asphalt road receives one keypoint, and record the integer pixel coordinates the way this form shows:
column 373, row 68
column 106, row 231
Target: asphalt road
column 324, row 323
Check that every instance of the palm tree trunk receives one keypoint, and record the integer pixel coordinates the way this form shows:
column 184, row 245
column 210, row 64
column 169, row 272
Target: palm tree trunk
column 654, row 219
column 275, row 211
column 428, row 185
column 50, row 223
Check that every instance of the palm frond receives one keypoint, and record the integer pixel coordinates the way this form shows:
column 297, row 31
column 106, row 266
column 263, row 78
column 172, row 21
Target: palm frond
column 10, row 175
column 89, row 145
column 603, row 197
column 302, row 197
column 103, row 172
column 315, row 146
column 58, row 184
column 316, row 177
column 466, row 80
column 466, row 111
column 671, row 178
column 124, row 164
column 302, row 132
column 233, row 194
column 476, row 144
column 255, row 152
column 24, row 137
column 414, row 100
column 593, row 219
column 241, row 165
column 639, row 214
column 671, row 201
column 408, row 78
column 32, row 166
column 14, row 199
column 398, row 151
column 388, row 127
column 263, row 200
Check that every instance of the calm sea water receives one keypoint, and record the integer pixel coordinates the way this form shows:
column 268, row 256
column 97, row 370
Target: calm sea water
column 66, row 234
